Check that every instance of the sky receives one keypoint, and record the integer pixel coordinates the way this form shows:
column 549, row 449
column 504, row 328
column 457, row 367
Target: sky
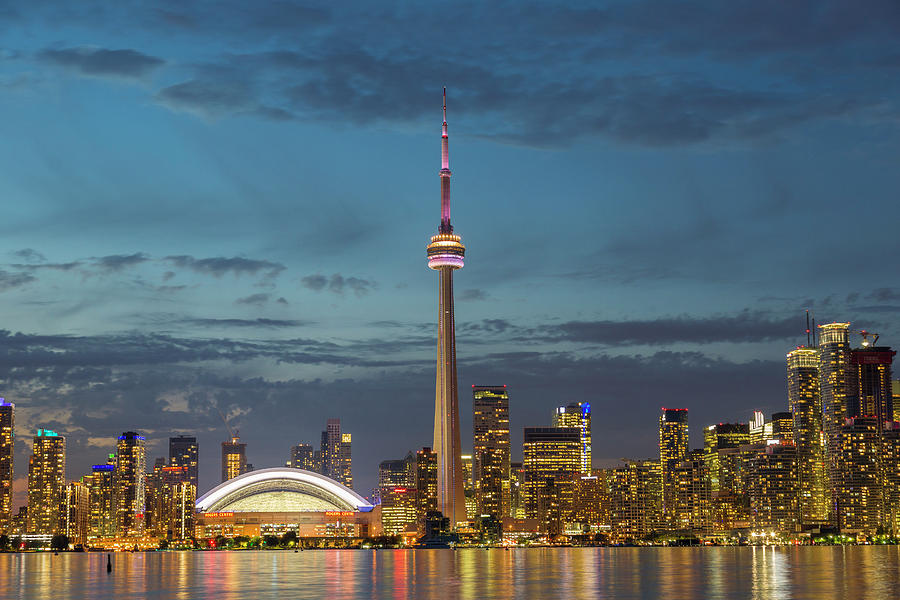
column 224, row 206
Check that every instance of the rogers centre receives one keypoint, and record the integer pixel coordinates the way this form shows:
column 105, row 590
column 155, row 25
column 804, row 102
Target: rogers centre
column 275, row 501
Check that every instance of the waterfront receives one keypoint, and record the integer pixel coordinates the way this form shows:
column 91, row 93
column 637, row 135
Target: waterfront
column 725, row 572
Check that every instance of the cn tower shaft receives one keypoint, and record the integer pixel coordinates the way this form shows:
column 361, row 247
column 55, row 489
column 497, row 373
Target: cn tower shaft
column 445, row 254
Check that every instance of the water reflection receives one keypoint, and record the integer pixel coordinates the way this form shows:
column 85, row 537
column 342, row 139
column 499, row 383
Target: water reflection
column 622, row 573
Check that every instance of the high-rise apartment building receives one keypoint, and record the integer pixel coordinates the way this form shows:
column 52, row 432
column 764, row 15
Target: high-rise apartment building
column 7, row 442
column 75, row 512
column 837, row 388
column 445, row 255
column 635, row 492
column 490, row 425
column 103, row 499
column 345, row 461
column 397, row 488
column 131, row 465
column 46, row 482
column 550, row 454
column 303, row 457
column 806, row 409
column 426, row 484
column 577, row 415
column 874, row 396
column 234, row 458
column 890, row 480
column 336, row 453
column 718, row 437
column 774, row 489
column 673, row 449
column 895, row 395
column 183, row 452
column 692, row 508
column 858, row 490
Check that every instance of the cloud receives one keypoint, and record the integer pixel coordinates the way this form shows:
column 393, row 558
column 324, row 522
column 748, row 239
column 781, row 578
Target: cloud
column 337, row 284
column 254, row 299
column 215, row 99
column 219, row 266
column 117, row 262
column 102, row 62
column 9, row 280
column 884, row 295
column 30, row 255
column 242, row 323
column 472, row 295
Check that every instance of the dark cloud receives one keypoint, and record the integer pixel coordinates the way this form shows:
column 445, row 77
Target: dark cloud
column 747, row 326
column 472, row 295
column 219, row 266
column 337, row 284
column 884, row 295
column 13, row 280
column 214, row 99
column 30, row 255
column 253, row 299
column 117, row 262
column 100, row 61
column 264, row 323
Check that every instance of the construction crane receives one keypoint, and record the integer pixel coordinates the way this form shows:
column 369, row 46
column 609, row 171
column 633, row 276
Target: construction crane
column 865, row 338
column 232, row 432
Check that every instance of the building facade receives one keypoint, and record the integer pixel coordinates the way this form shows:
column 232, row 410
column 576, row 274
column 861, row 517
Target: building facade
column 184, row 453
column 490, row 444
column 673, row 449
column 46, row 482
column 131, row 465
column 577, row 415
column 549, row 454
column 234, row 458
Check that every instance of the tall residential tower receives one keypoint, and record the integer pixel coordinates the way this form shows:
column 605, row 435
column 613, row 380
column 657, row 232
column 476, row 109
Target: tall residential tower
column 490, row 449
column 7, row 439
column 445, row 255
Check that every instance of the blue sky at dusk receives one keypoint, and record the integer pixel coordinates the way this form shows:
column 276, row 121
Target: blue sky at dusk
column 226, row 205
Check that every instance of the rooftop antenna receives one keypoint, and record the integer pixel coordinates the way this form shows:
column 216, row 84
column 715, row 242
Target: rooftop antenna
column 815, row 332
column 807, row 328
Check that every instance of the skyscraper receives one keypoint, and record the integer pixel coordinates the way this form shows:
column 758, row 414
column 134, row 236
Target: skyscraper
column 7, row 441
column 183, row 452
column 303, row 457
column 774, row 488
column 234, row 458
column 837, row 387
column 806, row 407
column 873, row 376
column 549, row 454
column 46, row 481
column 397, row 489
column 345, row 461
column 131, row 464
column 858, row 491
column 445, row 255
column 75, row 512
column 426, row 484
column 719, row 437
column 103, row 499
column 577, row 415
column 490, row 427
column 673, row 449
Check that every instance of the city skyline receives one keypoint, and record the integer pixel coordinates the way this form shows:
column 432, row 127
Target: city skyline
column 186, row 232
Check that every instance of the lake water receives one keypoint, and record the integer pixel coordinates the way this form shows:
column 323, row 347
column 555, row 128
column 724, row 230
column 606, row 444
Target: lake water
column 667, row 573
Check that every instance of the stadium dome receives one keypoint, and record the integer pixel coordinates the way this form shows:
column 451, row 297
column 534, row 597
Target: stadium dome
column 281, row 490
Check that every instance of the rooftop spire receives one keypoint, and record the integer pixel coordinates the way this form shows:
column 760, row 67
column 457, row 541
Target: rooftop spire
column 445, row 174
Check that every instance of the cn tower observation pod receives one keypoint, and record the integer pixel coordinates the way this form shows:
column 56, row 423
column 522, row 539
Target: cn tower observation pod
column 281, row 489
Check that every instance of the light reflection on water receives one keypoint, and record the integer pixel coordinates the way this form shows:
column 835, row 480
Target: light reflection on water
column 759, row 573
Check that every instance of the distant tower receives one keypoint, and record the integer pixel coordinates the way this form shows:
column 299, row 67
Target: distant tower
column 7, row 438
column 183, row 453
column 445, row 255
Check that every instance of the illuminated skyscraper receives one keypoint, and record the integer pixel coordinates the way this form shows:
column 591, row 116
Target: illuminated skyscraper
column 426, row 483
column 549, row 454
column 397, row 489
column 445, row 255
column 131, row 465
column 183, row 452
column 345, row 461
column 7, row 442
column 890, row 465
column 774, row 489
column 806, row 407
column 634, row 499
column 837, row 387
column 234, row 458
column 46, row 481
column 303, row 457
column 673, row 449
column 75, row 512
column 873, row 376
column 490, row 425
column 577, row 415
column 103, row 499
column 718, row 437
column 858, row 490
column 692, row 498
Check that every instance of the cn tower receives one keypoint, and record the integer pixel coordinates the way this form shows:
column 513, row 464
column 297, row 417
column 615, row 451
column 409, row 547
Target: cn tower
column 445, row 255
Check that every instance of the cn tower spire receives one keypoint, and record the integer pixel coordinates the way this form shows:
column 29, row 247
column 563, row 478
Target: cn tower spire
column 446, row 254
column 446, row 227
